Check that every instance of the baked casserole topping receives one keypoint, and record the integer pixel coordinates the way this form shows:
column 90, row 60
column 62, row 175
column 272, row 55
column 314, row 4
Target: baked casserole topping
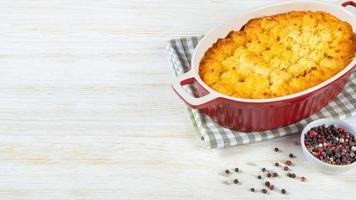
column 278, row 55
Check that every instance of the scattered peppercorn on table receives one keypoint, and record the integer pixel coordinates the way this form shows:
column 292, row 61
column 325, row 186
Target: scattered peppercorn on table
column 87, row 111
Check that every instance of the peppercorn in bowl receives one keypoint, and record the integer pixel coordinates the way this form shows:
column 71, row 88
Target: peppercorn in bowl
column 330, row 145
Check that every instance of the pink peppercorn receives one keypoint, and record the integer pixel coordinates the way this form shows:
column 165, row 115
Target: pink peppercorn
column 312, row 133
column 342, row 130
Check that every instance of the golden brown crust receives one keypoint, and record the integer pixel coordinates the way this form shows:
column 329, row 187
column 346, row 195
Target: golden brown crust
column 279, row 55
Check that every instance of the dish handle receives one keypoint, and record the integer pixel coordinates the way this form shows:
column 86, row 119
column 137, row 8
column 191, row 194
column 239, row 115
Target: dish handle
column 344, row 3
column 193, row 102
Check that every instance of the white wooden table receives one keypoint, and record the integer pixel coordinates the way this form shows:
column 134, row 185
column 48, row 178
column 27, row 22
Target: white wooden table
column 87, row 112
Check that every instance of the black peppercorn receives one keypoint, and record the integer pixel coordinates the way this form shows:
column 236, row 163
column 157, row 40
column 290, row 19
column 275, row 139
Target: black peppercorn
column 332, row 128
column 293, row 175
column 329, row 152
column 274, row 174
column 291, row 155
column 263, row 169
column 236, row 181
column 267, row 183
column 283, row 191
column 236, row 169
column 259, row 176
column 227, row 171
column 252, row 189
column 289, row 174
column 276, row 164
column 264, row 191
column 276, row 149
column 269, row 175
column 285, row 168
column 344, row 160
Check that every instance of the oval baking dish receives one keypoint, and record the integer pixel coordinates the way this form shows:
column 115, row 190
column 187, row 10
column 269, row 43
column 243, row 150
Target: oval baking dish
column 263, row 114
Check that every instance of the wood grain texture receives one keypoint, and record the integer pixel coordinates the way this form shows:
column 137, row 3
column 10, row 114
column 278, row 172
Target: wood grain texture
column 87, row 111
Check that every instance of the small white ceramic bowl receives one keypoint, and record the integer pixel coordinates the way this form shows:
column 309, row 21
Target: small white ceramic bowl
column 323, row 166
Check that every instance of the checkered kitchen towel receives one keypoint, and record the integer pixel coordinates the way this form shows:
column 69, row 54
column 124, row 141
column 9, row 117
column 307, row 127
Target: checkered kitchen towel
column 216, row 136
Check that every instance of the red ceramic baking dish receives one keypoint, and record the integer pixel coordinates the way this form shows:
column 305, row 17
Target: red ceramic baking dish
column 263, row 114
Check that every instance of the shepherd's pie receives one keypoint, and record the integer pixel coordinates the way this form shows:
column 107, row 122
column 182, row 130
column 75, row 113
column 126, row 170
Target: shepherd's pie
column 278, row 55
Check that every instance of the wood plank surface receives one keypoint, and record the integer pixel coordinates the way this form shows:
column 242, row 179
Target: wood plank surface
column 87, row 112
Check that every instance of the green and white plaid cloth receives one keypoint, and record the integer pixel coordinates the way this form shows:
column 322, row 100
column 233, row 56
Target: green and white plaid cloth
column 216, row 136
